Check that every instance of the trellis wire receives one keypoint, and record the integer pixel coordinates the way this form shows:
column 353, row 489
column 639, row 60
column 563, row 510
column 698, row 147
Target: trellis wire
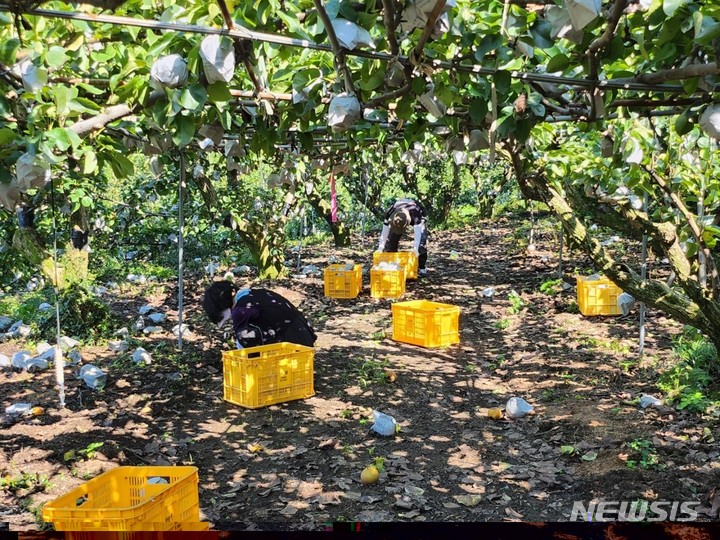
column 181, row 226
column 244, row 33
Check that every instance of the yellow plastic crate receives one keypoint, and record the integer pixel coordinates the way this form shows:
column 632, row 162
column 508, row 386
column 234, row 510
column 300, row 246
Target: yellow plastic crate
column 146, row 531
column 406, row 259
column 387, row 283
column 598, row 297
column 260, row 376
column 124, row 499
column 425, row 323
column 343, row 283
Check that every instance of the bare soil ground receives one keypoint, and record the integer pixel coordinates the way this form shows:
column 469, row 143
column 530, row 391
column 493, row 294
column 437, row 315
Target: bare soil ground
column 296, row 465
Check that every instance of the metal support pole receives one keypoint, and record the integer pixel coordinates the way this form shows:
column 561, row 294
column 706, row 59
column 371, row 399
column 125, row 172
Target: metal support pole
column 560, row 253
column 702, row 262
column 365, row 208
column 531, row 244
column 58, row 357
column 643, row 275
column 181, row 228
column 303, row 224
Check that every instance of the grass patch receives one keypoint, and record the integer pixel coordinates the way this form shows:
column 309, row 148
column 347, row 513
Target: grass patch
column 688, row 384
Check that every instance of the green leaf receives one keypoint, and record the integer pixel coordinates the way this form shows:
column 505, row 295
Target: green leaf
column 522, row 129
column 488, row 43
column 683, row 124
column 75, row 139
column 90, row 89
column 567, row 449
column 193, row 98
column 502, row 82
column 690, row 85
column 558, row 63
column 56, row 57
column 671, row 6
column 63, row 96
column 293, row 26
column 478, row 110
column 184, row 131
column 219, row 92
column 90, row 163
column 669, row 32
column 84, row 105
column 589, row 456
column 121, row 166
column 418, row 85
column 59, row 138
column 375, row 80
column 306, row 140
column 541, row 31
column 506, row 126
column 8, row 51
column 707, row 32
column 7, row 135
column 404, row 108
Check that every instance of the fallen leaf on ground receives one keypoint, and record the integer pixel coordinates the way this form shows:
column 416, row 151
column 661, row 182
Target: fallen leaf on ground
column 468, row 500
column 512, row 513
column 414, row 491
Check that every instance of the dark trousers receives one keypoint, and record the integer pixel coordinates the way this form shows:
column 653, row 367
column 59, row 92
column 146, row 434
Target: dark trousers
column 393, row 240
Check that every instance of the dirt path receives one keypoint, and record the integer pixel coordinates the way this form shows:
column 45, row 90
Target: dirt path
column 297, row 464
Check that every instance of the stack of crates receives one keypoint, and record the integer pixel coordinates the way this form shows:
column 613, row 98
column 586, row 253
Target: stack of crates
column 406, row 259
column 387, row 283
column 131, row 499
column 343, row 282
column 260, row 376
column 598, row 296
column 425, row 323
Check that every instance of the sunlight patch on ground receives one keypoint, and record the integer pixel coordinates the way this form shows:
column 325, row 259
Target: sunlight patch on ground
column 464, row 457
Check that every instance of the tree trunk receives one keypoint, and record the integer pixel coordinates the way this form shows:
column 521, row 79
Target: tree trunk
column 692, row 308
column 340, row 232
column 264, row 244
column 485, row 205
column 263, row 250
column 266, row 249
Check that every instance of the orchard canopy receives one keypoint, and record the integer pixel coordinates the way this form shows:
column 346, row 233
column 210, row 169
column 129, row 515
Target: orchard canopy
column 601, row 109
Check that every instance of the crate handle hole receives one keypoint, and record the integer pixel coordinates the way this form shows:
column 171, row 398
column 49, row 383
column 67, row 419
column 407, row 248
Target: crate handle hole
column 81, row 500
column 158, row 479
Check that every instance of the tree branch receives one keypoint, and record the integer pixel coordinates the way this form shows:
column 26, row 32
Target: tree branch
column 389, row 20
column 243, row 46
column 604, row 40
column 115, row 112
column 339, row 53
column 270, row 96
column 429, row 26
column 687, row 72
column 694, row 228
column 652, row 292
column 374, row 102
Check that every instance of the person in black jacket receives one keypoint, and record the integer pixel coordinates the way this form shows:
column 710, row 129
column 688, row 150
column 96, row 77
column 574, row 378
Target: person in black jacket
column 402, row 213
column 259, row 316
